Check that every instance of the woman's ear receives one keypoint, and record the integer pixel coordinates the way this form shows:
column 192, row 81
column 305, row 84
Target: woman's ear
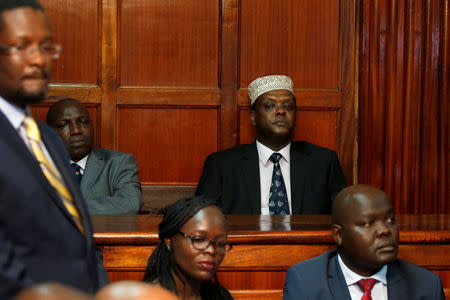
column 168, row 241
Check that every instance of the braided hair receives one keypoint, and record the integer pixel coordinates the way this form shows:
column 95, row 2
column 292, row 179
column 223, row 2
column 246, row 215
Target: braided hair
column 160, row 264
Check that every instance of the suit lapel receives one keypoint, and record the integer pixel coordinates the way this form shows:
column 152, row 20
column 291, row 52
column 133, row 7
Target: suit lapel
column 9, row 134
column 250, row 176
column 298, row 175
column 396, row 284
column 336, row 280
column 94, row 166
column 62, row 167
column 72, row 185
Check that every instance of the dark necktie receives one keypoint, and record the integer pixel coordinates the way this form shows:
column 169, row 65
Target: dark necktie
column 278, row 201
column 366, row 286
column 77, row 171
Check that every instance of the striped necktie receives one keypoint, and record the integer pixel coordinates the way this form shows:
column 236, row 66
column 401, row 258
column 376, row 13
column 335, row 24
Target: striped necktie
column 50, row 172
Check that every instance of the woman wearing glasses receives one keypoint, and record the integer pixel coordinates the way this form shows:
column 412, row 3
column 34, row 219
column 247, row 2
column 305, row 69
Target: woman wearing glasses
column 192, row 244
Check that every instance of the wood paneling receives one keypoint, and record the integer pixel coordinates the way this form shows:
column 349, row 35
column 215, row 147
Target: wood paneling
column 314, row 42
column 76, row 27
column 169, row 43
column 296, row 38
column 171, row 142
column 170, row 77
column 404, row 103
column 392, row 55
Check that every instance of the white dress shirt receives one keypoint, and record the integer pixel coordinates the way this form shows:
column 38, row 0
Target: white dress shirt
column 82, row 163
column 15, row 116
column 266, row 170
column 379, row 290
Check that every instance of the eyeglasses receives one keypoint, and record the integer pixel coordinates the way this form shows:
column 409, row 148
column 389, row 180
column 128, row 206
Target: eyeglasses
column 50, row 50
column 199, row 243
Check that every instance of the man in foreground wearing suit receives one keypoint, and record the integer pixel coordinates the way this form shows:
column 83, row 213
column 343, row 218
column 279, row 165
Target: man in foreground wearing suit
column 365, row 265
column 273, row 175
column 45, row 229
column 109, row 179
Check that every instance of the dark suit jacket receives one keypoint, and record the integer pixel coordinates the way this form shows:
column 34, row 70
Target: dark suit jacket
column 110, row 183
column 233, row 175
column 38, row 237
column 321, row 278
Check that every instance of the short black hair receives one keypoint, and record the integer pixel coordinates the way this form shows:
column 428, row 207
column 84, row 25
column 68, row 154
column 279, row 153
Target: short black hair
column 12, row 4
column 51, row 111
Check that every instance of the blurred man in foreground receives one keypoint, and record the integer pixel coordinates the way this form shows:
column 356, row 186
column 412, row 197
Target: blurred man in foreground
column 134, row 290
column 45, row 229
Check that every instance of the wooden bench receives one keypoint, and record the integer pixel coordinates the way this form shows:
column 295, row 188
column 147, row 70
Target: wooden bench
column 264, row 247
column 157, row 197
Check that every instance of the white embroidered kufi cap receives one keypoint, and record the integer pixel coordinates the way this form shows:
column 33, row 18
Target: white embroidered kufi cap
column 269, row 83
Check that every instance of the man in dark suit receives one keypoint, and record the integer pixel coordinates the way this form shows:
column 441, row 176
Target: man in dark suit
column 109, row 179
column 273, row 175
column 45, row 230
column 365, row 265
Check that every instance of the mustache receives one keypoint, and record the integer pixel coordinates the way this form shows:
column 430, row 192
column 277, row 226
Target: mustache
column 36, row 74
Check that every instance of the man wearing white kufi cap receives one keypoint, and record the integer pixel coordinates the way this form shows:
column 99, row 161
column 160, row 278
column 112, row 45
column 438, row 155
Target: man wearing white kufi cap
column 273, row 175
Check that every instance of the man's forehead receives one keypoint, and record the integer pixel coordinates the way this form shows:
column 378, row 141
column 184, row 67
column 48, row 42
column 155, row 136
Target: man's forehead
column 366, row 205
column 277, row 94
column 71, row 110
column 23, row 21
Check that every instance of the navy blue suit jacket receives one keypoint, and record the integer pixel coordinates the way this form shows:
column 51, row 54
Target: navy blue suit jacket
column 38, row 237
column 233, row 175
column 321, row 278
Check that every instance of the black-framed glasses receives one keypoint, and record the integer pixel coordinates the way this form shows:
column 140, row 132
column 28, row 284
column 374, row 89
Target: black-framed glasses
column 50, row 50
column 199, row 243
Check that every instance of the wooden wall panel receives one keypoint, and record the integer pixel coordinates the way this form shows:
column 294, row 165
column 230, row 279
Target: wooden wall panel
column 170, row 77
column 170, row 144
column 296, row 38
column 404, row 103
column 40, row 112
column 314, row 43
column 315, row 126
column 169, row 43
column 75, row 27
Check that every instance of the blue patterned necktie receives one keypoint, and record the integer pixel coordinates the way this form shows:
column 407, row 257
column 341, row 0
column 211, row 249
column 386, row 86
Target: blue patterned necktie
column 278, row 201
column 77, row 171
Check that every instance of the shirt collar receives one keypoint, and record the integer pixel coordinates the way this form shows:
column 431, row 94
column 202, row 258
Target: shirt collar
column 352, row 277
column 265, row 152
column 82, row 162
column 13, row 113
